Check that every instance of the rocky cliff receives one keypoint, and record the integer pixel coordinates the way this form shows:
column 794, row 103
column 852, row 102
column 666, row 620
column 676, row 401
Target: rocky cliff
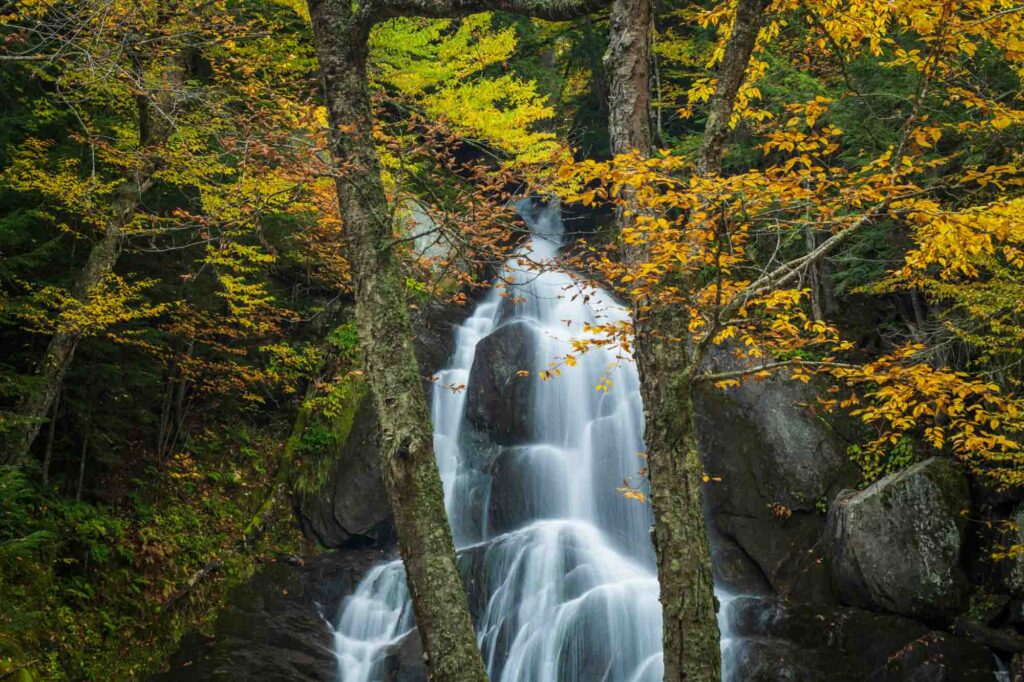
column 889, row 582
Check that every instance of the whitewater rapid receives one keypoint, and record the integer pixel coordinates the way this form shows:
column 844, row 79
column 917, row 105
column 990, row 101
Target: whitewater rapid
column 560, row 564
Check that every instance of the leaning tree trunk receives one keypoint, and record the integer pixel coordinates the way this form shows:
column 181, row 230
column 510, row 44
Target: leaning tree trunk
column 407, row 455
column 731, row 74
column 59, row 352
column 152, row 130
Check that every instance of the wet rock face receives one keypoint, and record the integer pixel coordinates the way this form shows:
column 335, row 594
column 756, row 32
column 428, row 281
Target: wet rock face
column 779, row 640
column 897, row 544
column 770, row 445
column 787, row 553
column 779, row 464
column 433, row 334
column 497, row 398
column 275, row 627
column 515, row 499
column 351, row 510
column 404, row 662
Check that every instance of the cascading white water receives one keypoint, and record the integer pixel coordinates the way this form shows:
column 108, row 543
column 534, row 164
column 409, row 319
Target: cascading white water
column 564, row 581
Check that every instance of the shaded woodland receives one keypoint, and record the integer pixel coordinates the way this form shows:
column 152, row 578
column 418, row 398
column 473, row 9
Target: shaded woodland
column 236, row 236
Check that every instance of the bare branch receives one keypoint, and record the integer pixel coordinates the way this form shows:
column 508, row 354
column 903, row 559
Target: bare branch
column 789, row 272
column 25, row 57
column 771, row 366
column 1010, row 10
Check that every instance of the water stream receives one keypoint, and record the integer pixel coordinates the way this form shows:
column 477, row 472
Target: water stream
column 559, row 563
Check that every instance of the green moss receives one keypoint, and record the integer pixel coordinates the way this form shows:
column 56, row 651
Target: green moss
column 326, row 427
column 85, row 586
column 876, row 465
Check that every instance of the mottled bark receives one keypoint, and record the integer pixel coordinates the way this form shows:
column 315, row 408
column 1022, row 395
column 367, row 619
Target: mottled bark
column 690, row 631
column 341, row 30
column 690, row 635
column 628, row 65
column 408, row 467
column 666, row 363
column 731, row 73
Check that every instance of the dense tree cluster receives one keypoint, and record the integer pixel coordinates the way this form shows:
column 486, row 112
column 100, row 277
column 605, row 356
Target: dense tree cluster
column 216, row 217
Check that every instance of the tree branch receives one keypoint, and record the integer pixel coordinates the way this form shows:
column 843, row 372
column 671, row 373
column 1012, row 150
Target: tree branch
column 789, row 272
column 771, row 366
column 746, row 26
column 25, row 57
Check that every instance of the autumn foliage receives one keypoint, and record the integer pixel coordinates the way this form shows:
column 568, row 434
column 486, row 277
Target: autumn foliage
column 735, row 253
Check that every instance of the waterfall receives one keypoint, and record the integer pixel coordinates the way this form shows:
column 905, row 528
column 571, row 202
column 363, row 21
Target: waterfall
column 558, row 563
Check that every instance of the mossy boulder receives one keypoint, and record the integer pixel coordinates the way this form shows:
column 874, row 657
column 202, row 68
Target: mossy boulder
column 897, row 544
column 349, row 506
column 774, row 639
column 350, row 509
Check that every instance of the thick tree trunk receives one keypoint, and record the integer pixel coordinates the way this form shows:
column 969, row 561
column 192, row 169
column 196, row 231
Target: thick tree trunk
column 407, row 455
column 690, row 631
column 731, row 72
column 628, row 66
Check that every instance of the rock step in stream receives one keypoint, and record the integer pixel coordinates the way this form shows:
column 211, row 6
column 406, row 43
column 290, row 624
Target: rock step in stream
column 558, row 564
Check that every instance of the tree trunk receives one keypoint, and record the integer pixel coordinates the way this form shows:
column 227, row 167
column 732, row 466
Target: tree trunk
column 690, row 631
column 407, row 462
column 731, row 72
column 823, row 300
column 61, row 348
column 48, row 454
column 99, row 264
column 628, row 65
column 81, row 466
column 690, row 628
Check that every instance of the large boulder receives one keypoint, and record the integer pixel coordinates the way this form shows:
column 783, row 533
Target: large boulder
column 773, row 639
column 897, row 544
column 733, row 569
column 775, row 464
column 776, row 660
column 497, row 397
column 786, row 552
column 351, row 509
column 769, row 445
column 276, row 627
